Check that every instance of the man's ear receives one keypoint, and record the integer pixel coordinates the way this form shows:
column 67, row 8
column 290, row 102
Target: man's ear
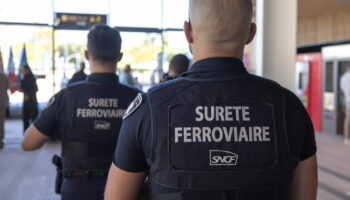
column 87, row 56
column 120, row 56
column 252, row 33
column 188, row 32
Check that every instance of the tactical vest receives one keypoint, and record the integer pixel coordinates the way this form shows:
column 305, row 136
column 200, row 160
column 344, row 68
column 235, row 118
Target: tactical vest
column 221, row 139
column 95, row 114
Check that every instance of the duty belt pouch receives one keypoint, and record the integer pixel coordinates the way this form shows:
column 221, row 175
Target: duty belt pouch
column 56, row 160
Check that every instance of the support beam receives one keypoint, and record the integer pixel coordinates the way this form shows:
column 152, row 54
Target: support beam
column 275, row 51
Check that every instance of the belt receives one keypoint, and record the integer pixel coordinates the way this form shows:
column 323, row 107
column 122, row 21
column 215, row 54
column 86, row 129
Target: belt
column 168, row 196
column 84, row 174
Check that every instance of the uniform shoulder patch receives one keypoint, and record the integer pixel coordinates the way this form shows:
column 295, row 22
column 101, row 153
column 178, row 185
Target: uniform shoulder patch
column 133, row 106
column 50, row 103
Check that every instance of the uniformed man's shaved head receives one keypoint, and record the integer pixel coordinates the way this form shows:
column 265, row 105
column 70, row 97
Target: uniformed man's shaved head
column 221, row 22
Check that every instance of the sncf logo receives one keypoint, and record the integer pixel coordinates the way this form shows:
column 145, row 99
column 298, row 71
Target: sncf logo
column 102, row 125
column 222, row 158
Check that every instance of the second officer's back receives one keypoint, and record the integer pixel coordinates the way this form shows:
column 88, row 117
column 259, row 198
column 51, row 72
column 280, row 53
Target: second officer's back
column 87, row 117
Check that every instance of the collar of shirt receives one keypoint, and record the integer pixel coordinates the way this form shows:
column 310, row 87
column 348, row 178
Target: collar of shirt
column 103, row 78
column 216, row 69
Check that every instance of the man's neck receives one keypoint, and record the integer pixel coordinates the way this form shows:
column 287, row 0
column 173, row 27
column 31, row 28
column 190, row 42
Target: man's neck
column 102, row 68
column 200, row 55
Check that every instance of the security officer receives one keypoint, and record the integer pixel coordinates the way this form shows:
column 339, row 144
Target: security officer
column 178, row 65
column 217, row 132
column 87, row 117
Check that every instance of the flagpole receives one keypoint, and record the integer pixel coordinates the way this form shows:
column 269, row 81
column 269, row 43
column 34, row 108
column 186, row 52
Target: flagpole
column 53, row 49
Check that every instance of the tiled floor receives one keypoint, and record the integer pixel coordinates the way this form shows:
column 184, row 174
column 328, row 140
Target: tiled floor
column 334, row 167
column 26, row 175
column 30, row 176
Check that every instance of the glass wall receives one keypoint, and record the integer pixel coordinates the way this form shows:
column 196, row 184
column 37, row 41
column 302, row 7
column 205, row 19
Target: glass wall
column 38, row 44
column 131, row 13
column 82, row 6
column 33, row 11
column 69, row 52
column 141, row 50
column 136, row 13
column 175, row 13
column 175, row 43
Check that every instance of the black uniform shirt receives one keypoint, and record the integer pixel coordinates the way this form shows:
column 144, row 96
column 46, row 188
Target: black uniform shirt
column 54, row 117
column 133, row 152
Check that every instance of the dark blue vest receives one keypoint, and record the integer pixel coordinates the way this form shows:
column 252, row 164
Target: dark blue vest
column 221, row 139
column 95, row 111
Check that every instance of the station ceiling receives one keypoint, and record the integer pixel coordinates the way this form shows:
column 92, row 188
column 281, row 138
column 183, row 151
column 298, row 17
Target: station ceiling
column 314, row 7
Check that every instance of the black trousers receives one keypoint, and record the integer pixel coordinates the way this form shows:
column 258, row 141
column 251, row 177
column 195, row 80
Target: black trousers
column 29, row 112
column 83, row 189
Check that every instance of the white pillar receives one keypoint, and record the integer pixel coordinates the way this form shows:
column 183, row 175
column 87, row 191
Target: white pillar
column 276, row 40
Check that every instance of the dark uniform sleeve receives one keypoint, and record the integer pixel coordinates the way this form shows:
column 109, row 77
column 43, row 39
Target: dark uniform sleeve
column 134, row 143
column 49, row 119
column 300, row 130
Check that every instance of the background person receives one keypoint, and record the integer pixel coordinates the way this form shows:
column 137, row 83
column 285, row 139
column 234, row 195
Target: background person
column 30, row 102
column 126, row 77
column 87, row 116
column 178, row 65
column 345, row 87
column 79, row 75
column 217, row 132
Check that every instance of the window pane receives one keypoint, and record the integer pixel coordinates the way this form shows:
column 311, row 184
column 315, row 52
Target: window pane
column 82, row 6
column 136, row 13
column 141, row 50
column 175, row 13
column 176, row 43
column 70, row 46
column 329, row 77
column 33, row 11
column 38, row 43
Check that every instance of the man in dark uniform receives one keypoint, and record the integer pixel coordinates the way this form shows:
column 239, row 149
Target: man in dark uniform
column 87, row 117
column 178, row 65
column 79, row 75
column 30, row 103
column 217, row 132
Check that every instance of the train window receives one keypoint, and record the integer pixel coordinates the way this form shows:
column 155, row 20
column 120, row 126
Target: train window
column 302, row 81
column 329, row 77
